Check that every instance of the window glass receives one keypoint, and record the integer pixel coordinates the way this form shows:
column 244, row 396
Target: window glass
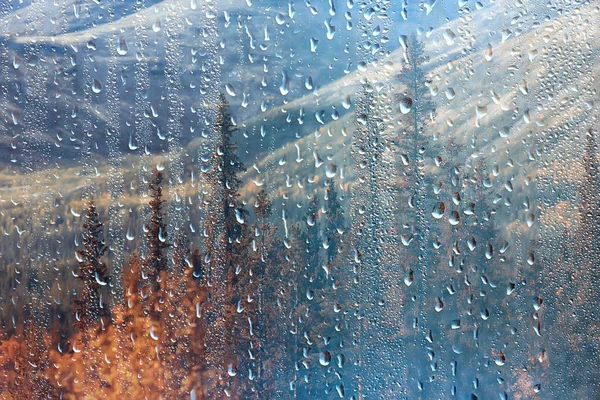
column 276, row 199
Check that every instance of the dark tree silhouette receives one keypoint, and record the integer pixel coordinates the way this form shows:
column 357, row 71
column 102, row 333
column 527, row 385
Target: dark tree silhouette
column 586, row 274
column 312, row 235
column 417, row 105
column 311, row 289
column 181, row 254
column 417, row 98
column 232, row 216
column 155, row 263
column 588, row 235
column 131, row 282
column 263, row 207
column 589, row 191
column 369, row 147
column 265, row 278
column 334, row 221
column 229, row 167
column 89, row 306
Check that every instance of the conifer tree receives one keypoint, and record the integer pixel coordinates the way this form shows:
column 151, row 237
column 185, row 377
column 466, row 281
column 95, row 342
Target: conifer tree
column 265, row 276
column 229, row 167
column 231, row 245
column 335, row 302
column 310, row 291
column 589, row 191
column 312, row 235
column 155, row 262
column 417, row 105
column 417, row 102
column 31, row 364
column 131, row 281
column 334, row 221
column 369, row 147
column 586, row 271
column 89, row 306
column 263, row 209
column 418, row 108
column 177, row 320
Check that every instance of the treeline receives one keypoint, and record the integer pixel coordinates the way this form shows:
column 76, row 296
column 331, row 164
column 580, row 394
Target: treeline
column 228, row 317
column 433, row 291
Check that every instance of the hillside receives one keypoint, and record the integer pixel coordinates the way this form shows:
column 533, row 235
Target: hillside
column 417, row 216
column 517, row 101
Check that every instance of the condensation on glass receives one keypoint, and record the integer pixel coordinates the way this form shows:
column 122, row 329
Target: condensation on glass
column 261, row 199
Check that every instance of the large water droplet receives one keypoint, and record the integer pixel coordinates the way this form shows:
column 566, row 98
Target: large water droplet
column 96, row 86
column 122, row 48
column 438, row 210
column 406, row 105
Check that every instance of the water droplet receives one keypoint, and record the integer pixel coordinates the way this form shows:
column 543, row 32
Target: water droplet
column 325, row 358
column 239, row 216
column 406, row 105
column 429, row 4
column 230, row 90
column 439, row 305
column 454, row 218
column 313, row 45
column 284, row 89
column 500, row 359
column 280, row 19
column 488, row 53
column 330, row 29
column 156, row 26
column 449, row 37
column 122, row 48
column 471, row 243
column 438, row 210
column 409, row 278
column 96, row 86
column 231, row 370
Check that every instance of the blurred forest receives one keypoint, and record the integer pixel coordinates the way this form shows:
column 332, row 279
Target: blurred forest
column 360, row 222
column 241, row 309
column 174, row 330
